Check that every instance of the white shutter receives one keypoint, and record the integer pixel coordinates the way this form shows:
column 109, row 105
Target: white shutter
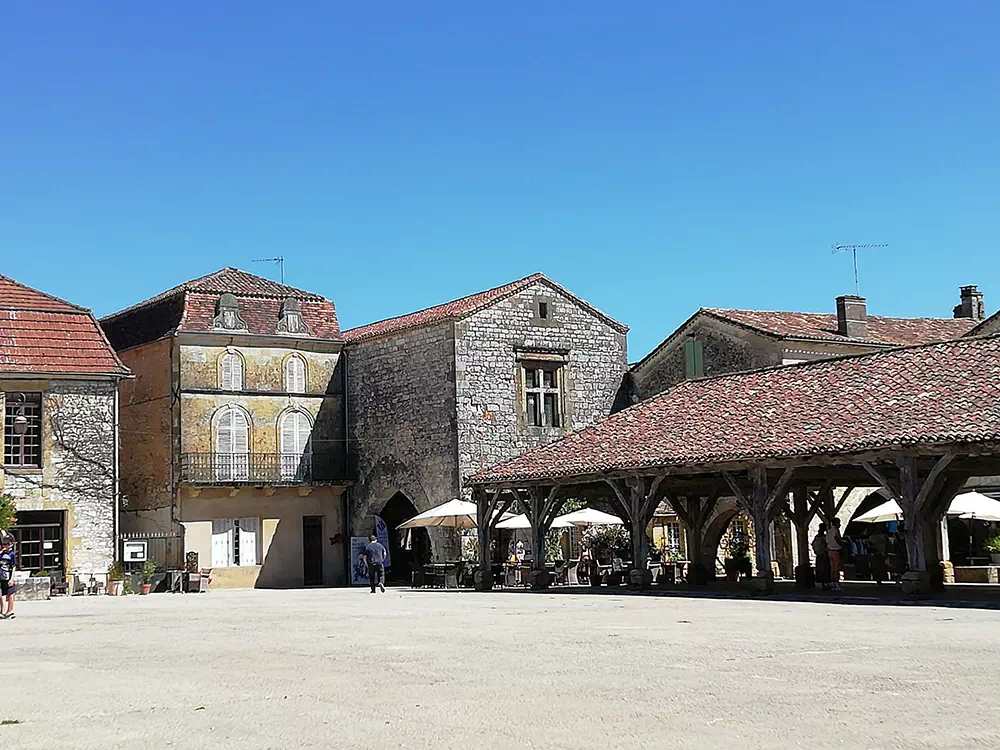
column 222, row 542
column 241, row 445
column 249, row 528
column 295, row 375
column 224, row 446
column 232, row 372
column 295, row 429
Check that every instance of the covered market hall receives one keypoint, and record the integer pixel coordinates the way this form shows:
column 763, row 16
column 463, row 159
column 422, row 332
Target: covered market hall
column 915, row 423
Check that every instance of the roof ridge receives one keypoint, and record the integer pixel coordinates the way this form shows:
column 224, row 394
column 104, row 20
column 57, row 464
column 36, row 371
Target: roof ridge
column 44, row 294
column 833, row 314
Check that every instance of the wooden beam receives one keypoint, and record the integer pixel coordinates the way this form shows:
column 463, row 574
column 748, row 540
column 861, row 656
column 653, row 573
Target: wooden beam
column 883, row 481
column 929, row 485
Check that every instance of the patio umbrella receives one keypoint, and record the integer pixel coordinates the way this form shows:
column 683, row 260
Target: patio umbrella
column 590, row 517
column 522, row 522
column 889, row 511
column 455, row 514
column 967, row 505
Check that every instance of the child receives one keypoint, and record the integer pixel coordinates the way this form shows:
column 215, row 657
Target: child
column 8, row 563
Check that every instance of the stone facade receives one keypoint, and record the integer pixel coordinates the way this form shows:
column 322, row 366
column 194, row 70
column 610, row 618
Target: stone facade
column 433, row 404
column 78, row 470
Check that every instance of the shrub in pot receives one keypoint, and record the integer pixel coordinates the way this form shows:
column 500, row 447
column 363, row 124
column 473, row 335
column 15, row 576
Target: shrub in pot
column 993, row 547
column 148, row 571
column 116, row 578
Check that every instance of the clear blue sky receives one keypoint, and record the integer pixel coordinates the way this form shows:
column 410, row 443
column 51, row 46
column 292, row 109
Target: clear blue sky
column 652, row 157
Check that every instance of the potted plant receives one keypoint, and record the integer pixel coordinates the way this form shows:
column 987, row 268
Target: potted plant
column 148, row 571
column 992, row 546
column 738, row 562
column 116, row 578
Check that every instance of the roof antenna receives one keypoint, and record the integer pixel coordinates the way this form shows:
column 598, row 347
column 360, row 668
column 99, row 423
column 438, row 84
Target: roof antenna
column 854, row 251
column 279, row 260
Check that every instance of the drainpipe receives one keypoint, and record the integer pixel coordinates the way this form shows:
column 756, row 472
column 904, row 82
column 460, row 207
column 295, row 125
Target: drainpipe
column 345, row 496
column 117, row 473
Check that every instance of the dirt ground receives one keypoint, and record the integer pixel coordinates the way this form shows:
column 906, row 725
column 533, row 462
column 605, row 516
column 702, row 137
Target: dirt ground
column 446, row 669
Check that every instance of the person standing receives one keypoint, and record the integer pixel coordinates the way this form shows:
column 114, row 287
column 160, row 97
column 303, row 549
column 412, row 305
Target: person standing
column 879, row 545
column 833, row 547
column 375, row 559
column 8, row 564
column 822, row 558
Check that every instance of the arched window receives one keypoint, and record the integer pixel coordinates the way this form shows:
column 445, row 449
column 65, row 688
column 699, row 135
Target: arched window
column 296, row 447
column 231, row 372
column 295, row 374
column 232, row 445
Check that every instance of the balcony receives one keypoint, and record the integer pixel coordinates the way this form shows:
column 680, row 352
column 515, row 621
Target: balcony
column 246, row 468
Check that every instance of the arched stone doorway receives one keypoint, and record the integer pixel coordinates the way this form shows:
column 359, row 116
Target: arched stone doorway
column 408, row 549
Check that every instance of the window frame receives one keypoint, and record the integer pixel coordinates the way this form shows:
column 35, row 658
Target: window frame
column 534, row 409
column 305, row 373
column 237, row 357
column 36, row 428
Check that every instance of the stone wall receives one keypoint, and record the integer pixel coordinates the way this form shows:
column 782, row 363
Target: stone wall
column 401, row 396
column 491, row 424
column 726, row 348
column 78, row 468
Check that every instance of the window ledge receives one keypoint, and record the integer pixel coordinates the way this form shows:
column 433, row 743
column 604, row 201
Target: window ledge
column 22, row 470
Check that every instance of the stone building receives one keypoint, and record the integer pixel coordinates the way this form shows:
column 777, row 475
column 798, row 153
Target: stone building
column 59, row 381
column 715, row 342
column 233, row 429
column 441, row 393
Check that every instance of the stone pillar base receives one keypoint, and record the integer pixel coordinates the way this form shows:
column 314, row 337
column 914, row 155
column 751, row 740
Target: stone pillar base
column 483, row 580
column 915, row 582
column 763, row 584
column 538, row 579
column 640, row 580
column 947, row 572
column 805, row 578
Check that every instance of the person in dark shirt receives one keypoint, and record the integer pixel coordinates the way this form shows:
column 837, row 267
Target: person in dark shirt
column 375, row 559
column 8, row 563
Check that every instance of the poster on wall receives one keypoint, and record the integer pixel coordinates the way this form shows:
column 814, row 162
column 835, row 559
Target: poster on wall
column 359, row 570
column 382, row 534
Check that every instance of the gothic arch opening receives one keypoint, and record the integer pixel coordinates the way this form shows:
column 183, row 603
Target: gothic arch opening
column 409, row 549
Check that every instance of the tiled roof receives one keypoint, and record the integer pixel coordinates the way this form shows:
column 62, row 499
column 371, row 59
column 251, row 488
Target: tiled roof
column 935, row 393
column 463, row 307
column 987, row 326
column 42, row 334
column 823, row 327
column 191, row 306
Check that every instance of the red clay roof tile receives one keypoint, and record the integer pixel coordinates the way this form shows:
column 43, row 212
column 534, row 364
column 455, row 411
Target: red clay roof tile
column 937, row 393
column 42, row 334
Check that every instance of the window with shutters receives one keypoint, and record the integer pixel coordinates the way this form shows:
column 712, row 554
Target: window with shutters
column 22, row 429
column 295, row 374
column 232, row 445
column 235, row 542
column 296, row 445
column 542, row 395
column 231, row 372
column 694, row 360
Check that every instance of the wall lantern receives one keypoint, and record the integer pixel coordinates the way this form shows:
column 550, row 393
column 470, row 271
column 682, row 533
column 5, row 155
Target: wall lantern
column 20, row 421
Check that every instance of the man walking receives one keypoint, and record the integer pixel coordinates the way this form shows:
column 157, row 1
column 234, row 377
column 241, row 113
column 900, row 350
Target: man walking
column 375, row 559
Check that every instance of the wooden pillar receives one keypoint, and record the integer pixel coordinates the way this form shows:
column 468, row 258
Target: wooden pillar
column 485, row 510
column 638, row 497
column 540, row 508
column 924, row 502
column 760, row 503
column 801, row 516
column 694, row 511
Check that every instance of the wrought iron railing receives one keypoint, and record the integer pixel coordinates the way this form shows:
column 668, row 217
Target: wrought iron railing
column 246, row 468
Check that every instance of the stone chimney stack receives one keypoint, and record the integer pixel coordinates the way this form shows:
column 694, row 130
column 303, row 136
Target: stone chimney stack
column 972, row 305
column 852, row 317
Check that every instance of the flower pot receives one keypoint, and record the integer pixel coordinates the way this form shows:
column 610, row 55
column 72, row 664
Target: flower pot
column 995, row 557
column 733, row 576
column 144, row 588
column 114, row 588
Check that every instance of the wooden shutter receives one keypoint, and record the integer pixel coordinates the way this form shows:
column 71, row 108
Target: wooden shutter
column 295, row 375
column 249, row 533
column 222, row 542
column 295, row 430
column 694, row 362
column 232, row 372
column 241, row 445
column 224, row 446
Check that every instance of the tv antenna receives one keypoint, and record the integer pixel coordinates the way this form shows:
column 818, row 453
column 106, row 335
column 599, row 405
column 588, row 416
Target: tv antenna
column 854, row 251
column 279, row 260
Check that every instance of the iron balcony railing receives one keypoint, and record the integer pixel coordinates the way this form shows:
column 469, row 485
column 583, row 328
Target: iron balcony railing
column 246, row 468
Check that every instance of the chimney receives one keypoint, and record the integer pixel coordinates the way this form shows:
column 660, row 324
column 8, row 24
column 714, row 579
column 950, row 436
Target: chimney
column 852, row 317
column 972, row 305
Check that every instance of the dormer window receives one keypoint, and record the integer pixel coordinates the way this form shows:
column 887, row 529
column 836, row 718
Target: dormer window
column 291, row 318
column 227, row 314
